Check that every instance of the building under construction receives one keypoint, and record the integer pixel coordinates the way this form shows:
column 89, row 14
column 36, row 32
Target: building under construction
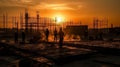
column 26, row 22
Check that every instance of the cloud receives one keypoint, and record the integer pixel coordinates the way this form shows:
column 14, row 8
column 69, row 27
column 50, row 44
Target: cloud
column 18, row 2
column 52, row 6
column 37, row 4
column 59, row 6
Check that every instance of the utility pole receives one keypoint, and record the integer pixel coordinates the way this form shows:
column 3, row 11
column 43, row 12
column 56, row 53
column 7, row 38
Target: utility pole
column 26, row 20
column 55, row 22
column 21, row 20
column 13, row 22
column 4, row 22
column 95, row 23
column 38, row 20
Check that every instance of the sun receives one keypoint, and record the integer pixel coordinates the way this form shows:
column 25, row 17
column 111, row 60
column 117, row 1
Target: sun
column 59, row 19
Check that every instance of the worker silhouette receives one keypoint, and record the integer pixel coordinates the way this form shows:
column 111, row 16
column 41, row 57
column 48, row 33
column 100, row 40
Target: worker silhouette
column 61, row 38
column 16, row 37
column 47, row 34
column 23, row 37
column 55, row 35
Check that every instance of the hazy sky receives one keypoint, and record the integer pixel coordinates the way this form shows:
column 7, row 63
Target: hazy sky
column 83, row 10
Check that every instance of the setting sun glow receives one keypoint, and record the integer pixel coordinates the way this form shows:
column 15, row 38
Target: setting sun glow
column 59, row 19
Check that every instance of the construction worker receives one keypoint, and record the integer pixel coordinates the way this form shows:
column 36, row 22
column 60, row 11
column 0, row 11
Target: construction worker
column 47, row 34
column 61, row 38
column 55, row 35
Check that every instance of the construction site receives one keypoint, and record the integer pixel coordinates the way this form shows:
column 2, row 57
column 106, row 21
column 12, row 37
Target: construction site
column 23, row 43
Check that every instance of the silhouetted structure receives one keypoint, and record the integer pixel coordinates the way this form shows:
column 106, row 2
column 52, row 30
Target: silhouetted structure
column 55, row 35
column 61, row 38
column 5, row 21
column 80, row 30
column 26, row 20
column 38, row 21
column 47, row 34
column 21, row 21
column 100, row 23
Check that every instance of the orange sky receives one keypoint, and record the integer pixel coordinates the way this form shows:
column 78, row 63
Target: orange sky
column 76, row 10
